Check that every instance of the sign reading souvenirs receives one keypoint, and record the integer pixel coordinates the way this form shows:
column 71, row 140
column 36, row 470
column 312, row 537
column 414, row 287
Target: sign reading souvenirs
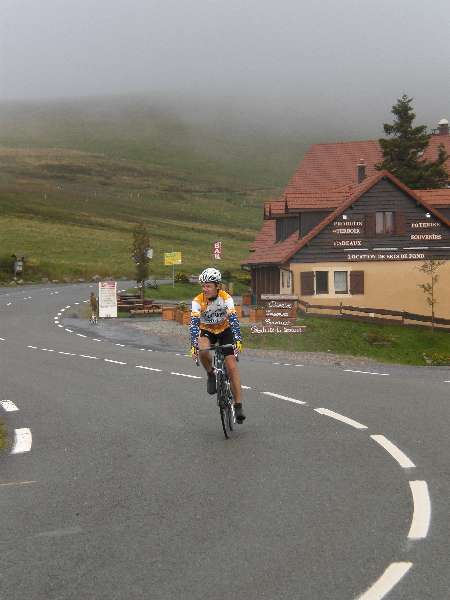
column 280, row 313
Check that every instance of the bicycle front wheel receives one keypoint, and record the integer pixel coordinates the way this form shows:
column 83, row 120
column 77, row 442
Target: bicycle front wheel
column 224, row 406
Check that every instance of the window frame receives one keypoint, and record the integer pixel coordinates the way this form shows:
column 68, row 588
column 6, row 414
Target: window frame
column 347, row 277
column 327, row 293
column 388, row 225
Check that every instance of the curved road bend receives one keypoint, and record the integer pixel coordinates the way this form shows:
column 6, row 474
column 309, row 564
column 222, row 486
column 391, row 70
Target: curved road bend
column 120, row 484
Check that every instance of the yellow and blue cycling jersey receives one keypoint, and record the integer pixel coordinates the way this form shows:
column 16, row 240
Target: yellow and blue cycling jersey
column 214, row 315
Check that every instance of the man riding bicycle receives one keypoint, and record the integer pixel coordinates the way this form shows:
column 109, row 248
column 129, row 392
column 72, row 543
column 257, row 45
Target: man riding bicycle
column 214, row 320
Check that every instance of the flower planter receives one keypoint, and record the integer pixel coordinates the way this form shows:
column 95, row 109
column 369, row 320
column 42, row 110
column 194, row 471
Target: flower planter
column 256, row 314
column 183, row 317
column 246, row 298
column 168, row 313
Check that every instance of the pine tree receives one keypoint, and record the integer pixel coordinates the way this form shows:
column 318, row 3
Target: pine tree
column 403, row 150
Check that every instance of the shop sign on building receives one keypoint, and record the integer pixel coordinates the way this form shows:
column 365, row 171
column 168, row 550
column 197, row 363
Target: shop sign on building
column 107, row 299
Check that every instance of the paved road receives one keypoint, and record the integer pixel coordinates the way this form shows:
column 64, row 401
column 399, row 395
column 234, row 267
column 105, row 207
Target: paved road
column 336, row 487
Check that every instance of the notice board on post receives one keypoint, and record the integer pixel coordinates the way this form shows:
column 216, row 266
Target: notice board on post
column 107, row 299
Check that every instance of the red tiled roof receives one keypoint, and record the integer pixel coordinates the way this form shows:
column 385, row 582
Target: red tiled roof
column 437, row 198
column 328, row 171
column 268, row 251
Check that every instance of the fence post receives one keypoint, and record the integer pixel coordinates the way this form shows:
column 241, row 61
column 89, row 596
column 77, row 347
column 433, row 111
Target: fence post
column 403, row 317
column 340, row 309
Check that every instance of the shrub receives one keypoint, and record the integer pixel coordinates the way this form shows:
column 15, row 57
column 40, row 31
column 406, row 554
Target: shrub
column 181, row 277
column 437, row 358
column 377, row 338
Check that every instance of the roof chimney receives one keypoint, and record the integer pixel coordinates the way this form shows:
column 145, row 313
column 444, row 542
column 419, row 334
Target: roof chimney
column 443, row 127
column 361, row 170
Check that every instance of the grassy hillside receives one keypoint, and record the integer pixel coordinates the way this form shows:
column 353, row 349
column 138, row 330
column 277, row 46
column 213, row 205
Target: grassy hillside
column 75, row 178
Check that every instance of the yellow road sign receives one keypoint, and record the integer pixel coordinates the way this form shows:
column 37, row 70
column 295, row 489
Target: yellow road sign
column 172, row 258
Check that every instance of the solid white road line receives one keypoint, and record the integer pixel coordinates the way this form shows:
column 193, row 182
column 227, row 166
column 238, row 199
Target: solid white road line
column 148, row 368
column 185, row 375
column 22, row 441
column 284, row 397
column 339, row 417
column 366, row 372
column 422, row 510
column 116, row 362
column 387, row 581
column 8, row 405
column 394, row 451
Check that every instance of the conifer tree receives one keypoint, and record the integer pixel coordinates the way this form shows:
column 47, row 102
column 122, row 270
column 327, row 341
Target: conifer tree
column 403, row 150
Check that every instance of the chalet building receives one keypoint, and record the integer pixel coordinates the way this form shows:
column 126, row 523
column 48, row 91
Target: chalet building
column 344, row 232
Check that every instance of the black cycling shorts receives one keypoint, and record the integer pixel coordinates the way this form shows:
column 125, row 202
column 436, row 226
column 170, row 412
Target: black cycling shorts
column 222, row 338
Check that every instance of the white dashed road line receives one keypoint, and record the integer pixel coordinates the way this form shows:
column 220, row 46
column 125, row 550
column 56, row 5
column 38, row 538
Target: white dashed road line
column 339, row 417
column 8, row 405
column 185, row 375
column 394, row 451
column 68, row 330
column 87, row 356
column 32, row 347
column 67, row 353
column 81, row 335
column 283, row 397
column 148, row 368
column 115, row 362
column 22, row 441
column 366, row 372
column 387, row 581
column 422, row 510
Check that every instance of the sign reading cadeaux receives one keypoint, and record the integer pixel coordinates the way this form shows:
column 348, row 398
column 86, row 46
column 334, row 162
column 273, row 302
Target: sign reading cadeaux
column 280, row 313
column 217, row 250
column 172, row 258
column 107, row 299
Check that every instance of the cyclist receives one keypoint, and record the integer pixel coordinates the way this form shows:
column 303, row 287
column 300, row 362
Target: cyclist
column 213, row 319
column 94, row 308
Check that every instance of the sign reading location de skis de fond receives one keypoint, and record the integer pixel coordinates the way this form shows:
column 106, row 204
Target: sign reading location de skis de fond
column 172, row 258
column 107, row 299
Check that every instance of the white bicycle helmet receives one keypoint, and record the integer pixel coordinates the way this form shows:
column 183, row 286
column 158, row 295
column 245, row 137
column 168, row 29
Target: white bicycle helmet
column 210, row 275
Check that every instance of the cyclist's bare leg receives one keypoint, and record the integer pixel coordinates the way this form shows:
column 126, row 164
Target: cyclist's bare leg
column 235, row 378
column 205, row 357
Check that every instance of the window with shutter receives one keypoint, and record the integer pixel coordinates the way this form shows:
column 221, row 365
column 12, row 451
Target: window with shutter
column 307, row 283
column 321, row 282
column 356, row 282
column 370, row 225
column 400, row 223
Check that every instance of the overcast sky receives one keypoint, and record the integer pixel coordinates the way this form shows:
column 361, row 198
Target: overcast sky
column 331, row 59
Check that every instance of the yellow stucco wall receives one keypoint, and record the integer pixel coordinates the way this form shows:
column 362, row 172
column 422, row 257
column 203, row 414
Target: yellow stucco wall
column 388, row 285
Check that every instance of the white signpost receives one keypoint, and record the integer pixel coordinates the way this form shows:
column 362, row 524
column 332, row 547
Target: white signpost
column 107, row 299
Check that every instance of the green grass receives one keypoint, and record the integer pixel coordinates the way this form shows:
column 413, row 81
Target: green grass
column 384, row 343
column 3, row 436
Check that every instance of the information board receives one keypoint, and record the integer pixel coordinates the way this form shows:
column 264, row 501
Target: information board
column 172, row 258
column 107, row 299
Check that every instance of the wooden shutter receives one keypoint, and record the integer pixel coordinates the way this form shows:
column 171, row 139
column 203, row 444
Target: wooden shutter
column 400, row 223
column 370, row 225
column 307, row 283
column 356, row 282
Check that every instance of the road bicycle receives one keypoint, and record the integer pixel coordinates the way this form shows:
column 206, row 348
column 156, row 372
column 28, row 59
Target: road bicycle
column 224, row 394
